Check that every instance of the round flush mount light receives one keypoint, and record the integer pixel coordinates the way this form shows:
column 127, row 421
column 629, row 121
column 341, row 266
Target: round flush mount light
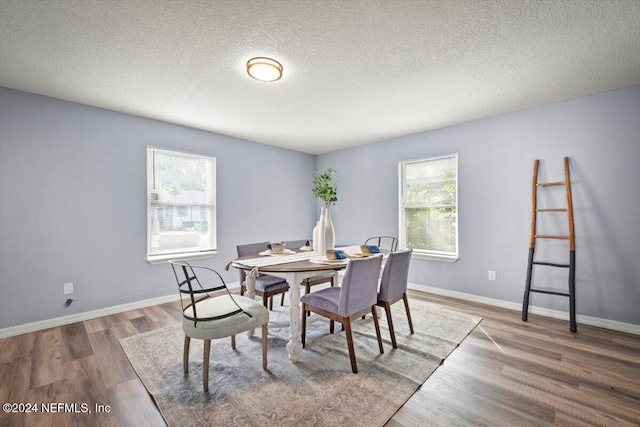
column 264, row 69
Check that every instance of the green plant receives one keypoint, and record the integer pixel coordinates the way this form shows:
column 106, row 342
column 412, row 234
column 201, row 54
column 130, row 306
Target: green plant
column 325, row 188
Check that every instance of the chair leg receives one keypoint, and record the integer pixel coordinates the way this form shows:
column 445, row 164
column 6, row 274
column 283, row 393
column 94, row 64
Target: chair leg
column 271, row 303
column 304, row 323
column 264, row 346
column 307, row 289
column 331, row 326
column 233, row 342
column 406, row 307
column 265, row 300
column 185, row 354
column 377, row 325
column 205, row 365
column 352, row 353
column 282, row 300
column 392, row 332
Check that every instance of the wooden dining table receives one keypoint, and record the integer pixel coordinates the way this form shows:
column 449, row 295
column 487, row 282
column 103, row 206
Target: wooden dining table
column 293, row 268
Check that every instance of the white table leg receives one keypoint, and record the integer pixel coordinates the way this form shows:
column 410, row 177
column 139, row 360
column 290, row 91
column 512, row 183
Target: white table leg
column 250, row 293
column 294, row 346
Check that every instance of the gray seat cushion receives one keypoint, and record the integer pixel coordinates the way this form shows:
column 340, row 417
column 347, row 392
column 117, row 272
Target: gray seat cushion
column 269, row 284
column 325, row 299
column 357, row 293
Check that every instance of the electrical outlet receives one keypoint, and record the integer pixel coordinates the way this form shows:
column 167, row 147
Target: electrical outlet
column 492, row 275
column 67, row 288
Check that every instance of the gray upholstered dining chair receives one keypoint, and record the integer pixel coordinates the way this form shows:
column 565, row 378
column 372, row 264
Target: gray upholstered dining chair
column 393, row 287
column 387, row 243
column 315, row 280
column 356, row 296
column 208, row 317
column 266, row 286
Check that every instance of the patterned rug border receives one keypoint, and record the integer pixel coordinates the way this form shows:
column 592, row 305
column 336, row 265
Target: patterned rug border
column 320, row 337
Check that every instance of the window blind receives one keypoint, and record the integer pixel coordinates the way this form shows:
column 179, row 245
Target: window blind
column 181, row 215
column 429, row 205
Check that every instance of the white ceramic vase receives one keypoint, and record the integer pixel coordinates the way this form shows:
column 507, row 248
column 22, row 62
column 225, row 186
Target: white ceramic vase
column 329, row 232
column 319, row 246
column 315, row 237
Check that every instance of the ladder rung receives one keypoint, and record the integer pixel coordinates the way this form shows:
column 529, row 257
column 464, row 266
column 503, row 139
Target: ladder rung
column 551, row 184
column 552, row 264
column 541, row 291
column 551, row 210
column 544, row 236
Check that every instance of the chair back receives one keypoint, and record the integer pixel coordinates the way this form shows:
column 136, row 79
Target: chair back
column 359, row 287
column 250, row 249
column 395, row 275
column 295, row 245
column 388, row 243
column 192, row 291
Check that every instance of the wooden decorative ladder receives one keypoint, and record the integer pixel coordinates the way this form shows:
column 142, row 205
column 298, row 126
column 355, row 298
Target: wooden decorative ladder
column 572, row 245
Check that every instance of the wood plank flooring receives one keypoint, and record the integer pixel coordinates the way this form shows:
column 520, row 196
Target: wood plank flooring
column 506, row 373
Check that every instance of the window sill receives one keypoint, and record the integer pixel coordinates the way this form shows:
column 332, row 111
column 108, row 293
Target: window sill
column 161, row 259
column 433, row 257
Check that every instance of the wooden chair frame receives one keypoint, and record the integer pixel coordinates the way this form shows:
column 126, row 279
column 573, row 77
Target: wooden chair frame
column 267, row 297
column 387, row 310
column 207, row 355
column 346, row 322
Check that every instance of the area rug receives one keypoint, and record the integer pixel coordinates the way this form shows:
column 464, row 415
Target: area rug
column 318, row 390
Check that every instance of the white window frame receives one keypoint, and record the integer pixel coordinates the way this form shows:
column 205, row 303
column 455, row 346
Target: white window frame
column 417, row 253
column 212, row 226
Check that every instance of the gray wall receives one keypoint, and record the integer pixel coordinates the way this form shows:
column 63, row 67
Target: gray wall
column 73, row 203
column 600, row 134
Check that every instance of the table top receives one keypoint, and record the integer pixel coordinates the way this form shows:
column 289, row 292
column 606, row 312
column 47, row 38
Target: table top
column 297, row 262
column 289, row 267
column 296, row 266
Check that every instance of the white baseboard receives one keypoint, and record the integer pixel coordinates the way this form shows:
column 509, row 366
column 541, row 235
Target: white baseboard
column 88, row 315
column 555, row 314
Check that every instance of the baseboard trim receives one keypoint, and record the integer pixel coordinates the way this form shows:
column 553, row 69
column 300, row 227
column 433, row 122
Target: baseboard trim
column 108, row 311
column 555, row 314
column 88, row 315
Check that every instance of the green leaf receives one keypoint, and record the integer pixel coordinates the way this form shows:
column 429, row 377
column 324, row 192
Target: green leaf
column 325, row 188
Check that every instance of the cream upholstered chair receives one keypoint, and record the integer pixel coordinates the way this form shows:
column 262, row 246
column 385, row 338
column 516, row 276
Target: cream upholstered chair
column 356, row 296
column 393, row 287
column 208, row 317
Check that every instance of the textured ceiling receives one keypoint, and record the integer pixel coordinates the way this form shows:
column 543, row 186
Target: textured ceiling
column 354, row 71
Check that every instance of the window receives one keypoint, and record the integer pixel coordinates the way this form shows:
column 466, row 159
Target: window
column 429, row 207
column 181, row 211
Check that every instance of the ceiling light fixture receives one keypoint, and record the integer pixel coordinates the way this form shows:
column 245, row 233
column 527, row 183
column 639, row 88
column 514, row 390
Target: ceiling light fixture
column 264, row 69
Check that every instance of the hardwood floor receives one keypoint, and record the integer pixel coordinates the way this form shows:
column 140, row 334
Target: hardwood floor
column 506, row 372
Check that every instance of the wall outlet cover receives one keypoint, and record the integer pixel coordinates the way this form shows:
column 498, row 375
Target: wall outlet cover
column 68, row 288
